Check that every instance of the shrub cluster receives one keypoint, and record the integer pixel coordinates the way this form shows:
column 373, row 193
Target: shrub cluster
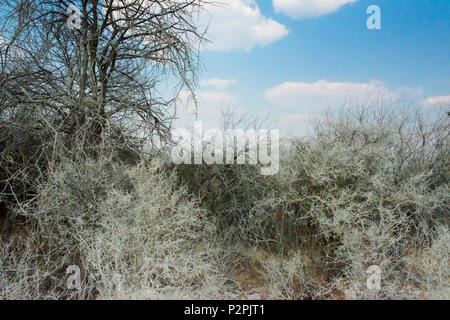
column 371, row 187
column 130, row 229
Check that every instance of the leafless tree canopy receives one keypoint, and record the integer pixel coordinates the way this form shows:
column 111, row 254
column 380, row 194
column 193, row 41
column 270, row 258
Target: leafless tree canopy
column 102, row 73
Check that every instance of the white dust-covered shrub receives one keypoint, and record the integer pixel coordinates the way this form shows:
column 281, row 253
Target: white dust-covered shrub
column 369, row 185
column 429, row 266
column 131, row 230
column 363, row 203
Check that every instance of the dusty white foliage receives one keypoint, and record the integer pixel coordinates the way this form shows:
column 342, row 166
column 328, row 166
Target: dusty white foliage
column 369, row 186
column 285, row 278
column 430, row 266
column 367, row 205
column 130, row 229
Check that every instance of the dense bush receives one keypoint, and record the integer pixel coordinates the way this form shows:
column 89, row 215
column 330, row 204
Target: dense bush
column 128, row 228
column 371, row 187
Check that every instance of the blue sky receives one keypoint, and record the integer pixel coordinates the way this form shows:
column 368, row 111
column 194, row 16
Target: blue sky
column 293, row 58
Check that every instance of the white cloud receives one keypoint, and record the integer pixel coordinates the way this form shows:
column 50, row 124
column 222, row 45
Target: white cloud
column 230, row 24
column 217, row 83
column 14, row 51
column 3, row 41
column 328, row 94
column 239, row 25
column 299, row 9
column 436, row 101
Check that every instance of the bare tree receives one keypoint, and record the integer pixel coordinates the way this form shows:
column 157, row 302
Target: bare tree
column 84, row 71
column 104, row 68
